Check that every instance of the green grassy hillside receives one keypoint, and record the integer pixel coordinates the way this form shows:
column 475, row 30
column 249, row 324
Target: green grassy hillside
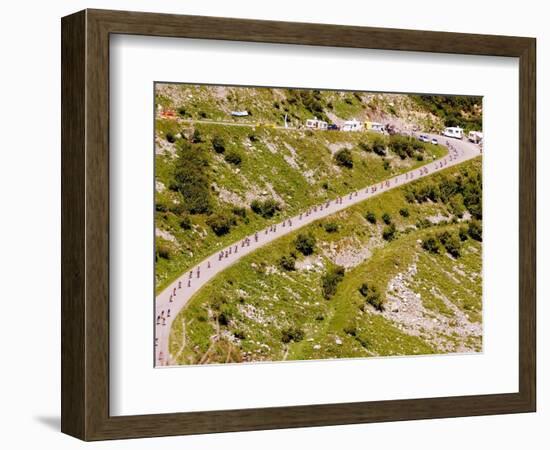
column 398, row 274
column 216, row 184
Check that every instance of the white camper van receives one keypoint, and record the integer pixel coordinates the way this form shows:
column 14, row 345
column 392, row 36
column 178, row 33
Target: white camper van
column 453, row 132
column 352, row 125
column 475, row 136
column 316, row 124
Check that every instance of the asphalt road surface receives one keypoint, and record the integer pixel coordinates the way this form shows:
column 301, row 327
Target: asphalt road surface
column 174, row 298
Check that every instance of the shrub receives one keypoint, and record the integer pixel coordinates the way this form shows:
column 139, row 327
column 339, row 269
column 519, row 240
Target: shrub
column 203, row 115
column 239, row 211
column 163, row 250
column 330, row 281
column 331, row 227
column 371, row 217
column 404, row 212
column 450, row 242
column 239, row 334
column 456, row 204
column 288, row 263
column 372, row 296
column 182, row 112
column 220, row 223
column 191, row 178
column 266, row 208
column 197, row 137
column 292, row 334
column 387, row 164
column 389, row 232
column 305, row 243
column 160, row 207
column 431, row 244
column 170, row 138
column 218, row 144
column 386, row 218
column 475, row 230
column 463, row 233
column 253, row 138
column 344, row 158
column 350, row 330
column 233, row 157
column 185, row 222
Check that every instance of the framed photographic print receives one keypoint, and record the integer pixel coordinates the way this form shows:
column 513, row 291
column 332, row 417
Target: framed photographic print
column 271, row 224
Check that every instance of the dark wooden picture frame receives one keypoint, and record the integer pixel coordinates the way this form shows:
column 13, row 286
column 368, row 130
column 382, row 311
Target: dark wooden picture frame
column 85, row 224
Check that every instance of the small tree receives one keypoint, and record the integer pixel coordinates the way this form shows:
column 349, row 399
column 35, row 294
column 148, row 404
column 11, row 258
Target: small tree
column 288, row 263
column 431, row 244
column 475, row 230
column 220, row 223
column 305, row 243
column 371, row 217
column 344, row 158
column 372, row 296
column 389, row 232
column 197, row 137
column 292, row 334
column 218, row 144
column 330, row 281
column 386, row 218
column 170, row 138
column 185, row 222
column 331, row 227
column 404, row 212
column 233, row 157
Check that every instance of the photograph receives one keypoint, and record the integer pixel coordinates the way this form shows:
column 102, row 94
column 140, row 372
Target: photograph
column 309, row 224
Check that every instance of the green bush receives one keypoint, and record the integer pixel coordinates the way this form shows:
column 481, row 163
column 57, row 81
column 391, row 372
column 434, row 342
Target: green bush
column 218, row 144
column 267, row 208
column 386, row 218
column 463, row 233
column 371, row 217
column 185, row 222
column 288, row 263
column 170, row 138
column 292, row 334
column 450, row 242
column 220, row 223
column 233, row 157
column 330, row 281
column 372, row 296
column 191, row 178
column 305, row 243
column 239, row 211
column 475, row 230
column 197, row 136
column 389, row 232
column 161, row 207
column 344, row 158
column 163, row 250
column 404, row 212
column 331, row 227
column 431, row 244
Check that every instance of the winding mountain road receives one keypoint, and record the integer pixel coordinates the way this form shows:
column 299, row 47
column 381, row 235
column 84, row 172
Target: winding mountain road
column 174, row 298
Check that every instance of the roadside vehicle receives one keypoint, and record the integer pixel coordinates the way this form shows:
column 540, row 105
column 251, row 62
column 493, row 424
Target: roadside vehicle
column 453, row 132
column 434, row 141
column 423, row 138
column 333, row 126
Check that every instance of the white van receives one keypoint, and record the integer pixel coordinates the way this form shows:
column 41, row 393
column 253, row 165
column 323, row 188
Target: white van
column 453, row 132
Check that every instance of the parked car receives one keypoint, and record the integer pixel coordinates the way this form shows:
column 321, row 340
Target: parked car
column 423, row 138
column 434, row 141
column 333, row 126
